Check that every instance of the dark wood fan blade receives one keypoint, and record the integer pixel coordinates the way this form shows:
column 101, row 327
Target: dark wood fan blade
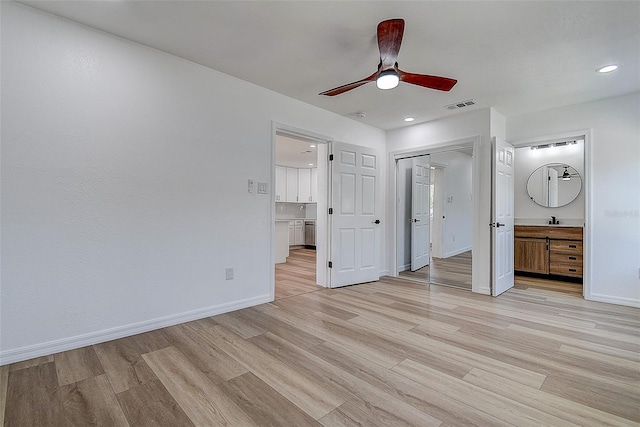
column 432, row 82
column 342, row 89
column 389, row 41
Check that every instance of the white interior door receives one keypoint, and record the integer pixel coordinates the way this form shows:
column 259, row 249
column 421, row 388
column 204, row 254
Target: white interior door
column 355, row 221
column 420, row 212
column 502, row 196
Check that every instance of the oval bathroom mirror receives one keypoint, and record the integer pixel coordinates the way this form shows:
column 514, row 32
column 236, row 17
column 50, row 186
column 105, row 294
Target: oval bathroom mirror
column 554, row 185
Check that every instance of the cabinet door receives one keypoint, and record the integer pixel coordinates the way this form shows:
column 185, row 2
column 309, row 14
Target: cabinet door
column 292, row 185
column 531, row 255
column 292, row 233
column 314, row 185
column 299, row 233
column 304, row 185
column 281, row 184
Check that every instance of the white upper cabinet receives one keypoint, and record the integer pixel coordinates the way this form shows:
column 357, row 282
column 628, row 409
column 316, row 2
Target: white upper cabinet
column 292, row 185
column 281, row 183
column 296, row 185
column 304, row 185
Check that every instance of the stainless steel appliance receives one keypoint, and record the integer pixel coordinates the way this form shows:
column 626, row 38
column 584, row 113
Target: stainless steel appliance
column 310, row 233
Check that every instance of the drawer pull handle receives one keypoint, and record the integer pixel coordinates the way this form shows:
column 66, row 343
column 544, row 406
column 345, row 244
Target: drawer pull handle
column 573, row 270
column 572, row 246
column 572, row 257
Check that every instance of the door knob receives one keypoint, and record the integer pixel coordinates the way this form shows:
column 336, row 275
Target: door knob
column 377, row 221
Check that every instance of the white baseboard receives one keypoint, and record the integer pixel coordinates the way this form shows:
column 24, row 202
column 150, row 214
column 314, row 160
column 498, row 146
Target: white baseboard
column 70, row 343
column 613, row 300
column 404, row 268
column 457, row 252
column 483, row 291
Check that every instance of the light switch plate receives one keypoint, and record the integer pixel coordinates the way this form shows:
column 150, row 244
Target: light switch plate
column 263, row 188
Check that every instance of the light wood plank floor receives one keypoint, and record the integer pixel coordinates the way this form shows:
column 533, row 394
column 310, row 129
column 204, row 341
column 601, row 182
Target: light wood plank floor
column 456, row 271
column 528, row 282
column 386, row 353
column 298, row 275
column 453, row 271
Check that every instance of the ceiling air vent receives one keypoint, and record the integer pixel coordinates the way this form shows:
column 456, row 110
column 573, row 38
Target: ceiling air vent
column 459, row 105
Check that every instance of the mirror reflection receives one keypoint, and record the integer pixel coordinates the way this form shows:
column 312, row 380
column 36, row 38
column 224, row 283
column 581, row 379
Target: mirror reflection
column 554, row 185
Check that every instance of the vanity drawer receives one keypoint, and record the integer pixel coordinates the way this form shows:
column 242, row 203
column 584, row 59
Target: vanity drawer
column 566, row 269
column 566, row 246
column 566, row 258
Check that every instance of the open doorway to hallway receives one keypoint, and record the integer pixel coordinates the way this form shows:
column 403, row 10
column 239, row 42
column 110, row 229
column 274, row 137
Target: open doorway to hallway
column 450, row 234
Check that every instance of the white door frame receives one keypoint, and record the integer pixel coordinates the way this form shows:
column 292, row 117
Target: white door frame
column 437, row 224
column 587, row 181
column 322, row 226
column 452, row 145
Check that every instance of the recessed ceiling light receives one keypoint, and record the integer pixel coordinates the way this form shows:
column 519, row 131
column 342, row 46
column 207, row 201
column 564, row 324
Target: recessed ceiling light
column 310, row 164
column 607, row 69
column 409, row 119
column 312, row 146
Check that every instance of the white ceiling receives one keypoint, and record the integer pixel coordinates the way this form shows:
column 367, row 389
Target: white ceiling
column 517, row 57
column 296, row 153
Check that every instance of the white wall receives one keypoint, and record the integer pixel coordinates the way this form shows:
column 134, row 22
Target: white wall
column 525, row 163
column 124, row 185
column 478, row 125
column 613, row 173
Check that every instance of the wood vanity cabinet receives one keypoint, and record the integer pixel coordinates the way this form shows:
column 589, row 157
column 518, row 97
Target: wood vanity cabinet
column 531, row 255
column 565, row 257
column 548, row 250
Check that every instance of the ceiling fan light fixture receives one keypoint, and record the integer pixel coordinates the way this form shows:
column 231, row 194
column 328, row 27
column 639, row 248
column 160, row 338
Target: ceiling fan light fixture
column 607, row 68
column 387, row 80
column 566, row 176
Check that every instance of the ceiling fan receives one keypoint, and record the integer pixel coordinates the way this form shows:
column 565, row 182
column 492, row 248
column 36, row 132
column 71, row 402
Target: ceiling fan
column 388, row 74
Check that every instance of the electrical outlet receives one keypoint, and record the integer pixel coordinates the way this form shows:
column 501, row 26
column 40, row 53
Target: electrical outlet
column 454, row 237
column 228, row 273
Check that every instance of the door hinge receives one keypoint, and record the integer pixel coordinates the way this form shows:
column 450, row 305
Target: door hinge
column 330, row 264
column 331, row 157
column 330, row 211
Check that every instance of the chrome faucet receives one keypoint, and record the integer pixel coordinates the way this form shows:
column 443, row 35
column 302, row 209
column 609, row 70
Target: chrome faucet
column 554, row 221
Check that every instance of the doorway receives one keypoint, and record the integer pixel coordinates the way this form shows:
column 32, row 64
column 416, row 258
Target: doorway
column 299, row 194
column 550, row 194
column 447, row 238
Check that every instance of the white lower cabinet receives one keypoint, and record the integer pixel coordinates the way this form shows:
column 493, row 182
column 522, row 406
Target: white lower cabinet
column 296, row 232
column 292, row 233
